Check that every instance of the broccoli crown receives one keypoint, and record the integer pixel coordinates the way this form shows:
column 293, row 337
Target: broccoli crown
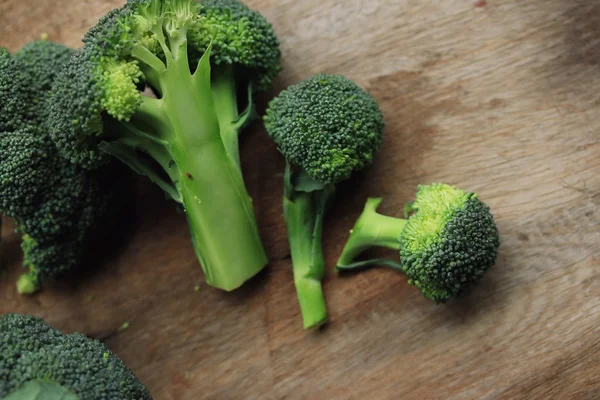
column 239, row 36
column 15, row 110
column 327, row 125
column 58, row 206
column 449, row 242
column 43, row 61
column 30, row 349
column 75, row 112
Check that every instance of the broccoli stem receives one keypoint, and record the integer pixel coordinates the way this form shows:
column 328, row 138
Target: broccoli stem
column 27, row 284
column 219, row 210
column 303, row 213
column 372, row 229
column 224, row 94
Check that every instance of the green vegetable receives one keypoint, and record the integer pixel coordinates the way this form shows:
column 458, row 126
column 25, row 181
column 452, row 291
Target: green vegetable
column 326, row 127
column 197, row 58
column 446, row 245
column 59, row 208
column 39, row 362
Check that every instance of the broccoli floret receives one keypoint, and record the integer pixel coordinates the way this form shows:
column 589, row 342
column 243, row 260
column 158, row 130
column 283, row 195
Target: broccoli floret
column 60, row 208
column 326, row 127
column 33, row 354
column 43, row 60
column 186, row 140
column 446, row 245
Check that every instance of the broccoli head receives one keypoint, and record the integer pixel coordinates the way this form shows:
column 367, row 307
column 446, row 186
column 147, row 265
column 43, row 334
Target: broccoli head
column 59, row 207
column 326, row 127
column 447, row 243
column 34, row 356
column 43, row 60
column 196, row 58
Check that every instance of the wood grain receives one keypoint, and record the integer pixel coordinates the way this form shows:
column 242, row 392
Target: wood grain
column 498, row 97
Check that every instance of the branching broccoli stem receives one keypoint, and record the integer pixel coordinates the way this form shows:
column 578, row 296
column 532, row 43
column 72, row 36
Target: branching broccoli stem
column 304, row 213
column 447, row 243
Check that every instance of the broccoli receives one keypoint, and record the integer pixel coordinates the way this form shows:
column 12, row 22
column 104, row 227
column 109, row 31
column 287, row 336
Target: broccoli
column 59, row 208
column 39, row 362
column 326, row 127
column 197, row 58
column 447, row 243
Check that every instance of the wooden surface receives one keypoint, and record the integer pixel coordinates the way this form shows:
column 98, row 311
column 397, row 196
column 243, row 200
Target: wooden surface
column 498, row 97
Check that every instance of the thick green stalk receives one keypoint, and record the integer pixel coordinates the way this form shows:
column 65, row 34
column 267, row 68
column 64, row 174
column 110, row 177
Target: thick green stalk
column 27, row 284
column 219, row 210
column 304, row 220
column 372, row 229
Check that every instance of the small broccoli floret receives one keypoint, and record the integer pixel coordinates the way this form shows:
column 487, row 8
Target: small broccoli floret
column 43, row 60
column 33, row 352
column 326, row 127
column 59, row 207
column 446, row 245
column 97, row 111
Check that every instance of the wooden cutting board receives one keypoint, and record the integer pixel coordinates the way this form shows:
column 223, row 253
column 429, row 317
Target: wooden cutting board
column 498, row 97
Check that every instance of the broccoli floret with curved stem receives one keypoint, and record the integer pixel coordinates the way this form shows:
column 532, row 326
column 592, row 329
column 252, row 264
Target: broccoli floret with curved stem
column 36, row 358
column 190, row 131
column 59, row 208
column 446, row 245
column 326, row 127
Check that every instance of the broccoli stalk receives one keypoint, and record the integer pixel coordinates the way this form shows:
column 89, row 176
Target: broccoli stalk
column 231, row 121
column 326, row 127
column 196, row 58
column 447, row 242
column 303, row 212
column 371, row 230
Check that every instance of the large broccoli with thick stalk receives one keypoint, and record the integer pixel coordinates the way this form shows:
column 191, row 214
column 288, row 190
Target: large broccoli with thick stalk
column 447, row 243
column 326, row 127
column 204, row 61
column 39, row 362
column 59, row 208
